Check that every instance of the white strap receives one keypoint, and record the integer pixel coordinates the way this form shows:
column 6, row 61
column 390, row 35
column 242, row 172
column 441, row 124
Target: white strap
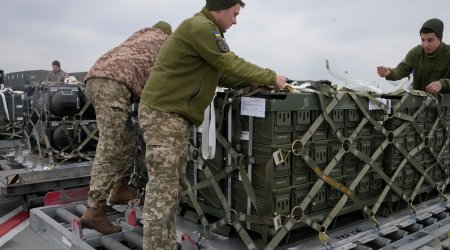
column 209, row 132
column 5, row 105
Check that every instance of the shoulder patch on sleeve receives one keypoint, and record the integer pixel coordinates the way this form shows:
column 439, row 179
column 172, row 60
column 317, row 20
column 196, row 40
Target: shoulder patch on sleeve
column 223, row 46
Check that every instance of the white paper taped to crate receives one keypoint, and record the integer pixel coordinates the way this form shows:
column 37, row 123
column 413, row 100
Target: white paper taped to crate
column 251, row 106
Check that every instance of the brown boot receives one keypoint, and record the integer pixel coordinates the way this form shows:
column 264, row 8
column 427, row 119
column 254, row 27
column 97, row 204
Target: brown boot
column 121, row 194
column 95, row 218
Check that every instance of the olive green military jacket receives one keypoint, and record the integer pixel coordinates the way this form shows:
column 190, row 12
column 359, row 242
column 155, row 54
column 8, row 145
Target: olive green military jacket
column 193, row 61
column 425, row 68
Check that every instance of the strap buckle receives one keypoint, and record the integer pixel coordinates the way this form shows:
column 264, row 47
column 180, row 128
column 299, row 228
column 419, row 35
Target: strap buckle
column 278, row 157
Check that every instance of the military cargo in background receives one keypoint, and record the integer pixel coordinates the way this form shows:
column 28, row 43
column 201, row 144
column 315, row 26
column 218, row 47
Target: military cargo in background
column 59, row 120
column 18, row 80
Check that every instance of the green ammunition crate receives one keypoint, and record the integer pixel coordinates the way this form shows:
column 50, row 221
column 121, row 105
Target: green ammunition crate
column 280, row 120
column 376, row 184
column 410, row 141
column 332, row 135
column 350, row 158
column 333, row 194
column 399, row 180
column 378, row 114
column 409, row 177
column 439, row 139
column 300, row 171
column 319, row 153
column 338, row 117
column 410, row 106
column 281, row 199
column 349, row 169
column 333, row 148
column 391, row 152
column 362, row 190
column 275, row 128
column 319, row 202
column 299, row 193
column 365, row 145
column 314, row 115
column 319, row 134
column 365, row 131
column 262, row 154
column 353, row 117
column 302, row 120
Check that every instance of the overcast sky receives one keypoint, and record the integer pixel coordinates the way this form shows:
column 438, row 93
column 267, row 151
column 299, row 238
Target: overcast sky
column 293, row 37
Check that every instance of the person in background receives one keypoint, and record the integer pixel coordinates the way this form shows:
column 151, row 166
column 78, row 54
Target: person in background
column 56, row 74
column 114, row 82
column 194, row 60
column 429, row 62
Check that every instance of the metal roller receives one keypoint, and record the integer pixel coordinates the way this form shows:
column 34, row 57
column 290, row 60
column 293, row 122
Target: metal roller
column 65, row 215
column 378, row 243
column 113, row 244
column 441, row 216
column 397, row 235
column 413, row 228
column 134, row 238
column 428, row 221
column 80, row 208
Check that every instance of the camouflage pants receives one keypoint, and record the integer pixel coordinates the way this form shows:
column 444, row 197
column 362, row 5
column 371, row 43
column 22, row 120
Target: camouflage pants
column 166, row 139
column 117, row 137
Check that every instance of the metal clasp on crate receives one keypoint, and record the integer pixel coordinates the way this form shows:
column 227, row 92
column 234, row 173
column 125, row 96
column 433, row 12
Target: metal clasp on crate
column 229, row 215
column 277, row 222
column 443, row 196
column 278, row 157
column 411, row 206
column 326, row 240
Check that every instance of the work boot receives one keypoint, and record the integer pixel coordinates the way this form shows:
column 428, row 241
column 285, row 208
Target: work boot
column 95, row 218
column 121, row 194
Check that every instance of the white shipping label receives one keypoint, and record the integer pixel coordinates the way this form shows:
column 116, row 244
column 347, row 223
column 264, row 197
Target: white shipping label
column 253, row 107
column 245, row 136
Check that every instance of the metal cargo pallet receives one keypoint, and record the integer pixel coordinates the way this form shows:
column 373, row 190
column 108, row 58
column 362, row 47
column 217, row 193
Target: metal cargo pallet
column 60, row 226
column 29, row 177
column 427, row 229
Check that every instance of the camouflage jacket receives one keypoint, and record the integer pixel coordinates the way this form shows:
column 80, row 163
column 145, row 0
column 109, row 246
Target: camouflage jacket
column 58, row 76
column 130, row 62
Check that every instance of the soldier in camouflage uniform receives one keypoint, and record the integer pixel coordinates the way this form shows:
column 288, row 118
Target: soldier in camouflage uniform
column 112, row 84
column 190, row 65
column 57, row 74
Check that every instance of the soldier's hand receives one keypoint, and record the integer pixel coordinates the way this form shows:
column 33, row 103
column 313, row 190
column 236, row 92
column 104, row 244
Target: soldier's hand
column 280, row 82
column 434, row 87
column 383, row 71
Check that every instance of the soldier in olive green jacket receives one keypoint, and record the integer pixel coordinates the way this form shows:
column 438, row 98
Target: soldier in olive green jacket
column 429, row 62
column 194, row 60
